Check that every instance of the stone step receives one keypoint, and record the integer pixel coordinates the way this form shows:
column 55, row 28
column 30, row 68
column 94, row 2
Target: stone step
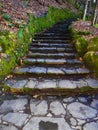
column 47, row 34
column 50, row 41
column 51, row 55
column 51, row 71
column 52, row 38
column 51, row 49
column 34, row 83
column 48, row 61
column 52, row 45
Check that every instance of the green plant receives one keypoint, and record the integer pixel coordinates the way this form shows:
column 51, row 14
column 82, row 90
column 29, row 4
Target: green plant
column 96, row 26
column 7, row 17
column 81, row 46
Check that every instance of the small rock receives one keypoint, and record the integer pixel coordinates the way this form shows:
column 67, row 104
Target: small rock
column 49, row 115
column 81, row 122
column 94, row 104
column 82, row 99
column 68, row 100
column 73, row 121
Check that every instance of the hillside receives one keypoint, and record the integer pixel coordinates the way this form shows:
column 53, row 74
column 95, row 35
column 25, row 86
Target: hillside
column 16, row 12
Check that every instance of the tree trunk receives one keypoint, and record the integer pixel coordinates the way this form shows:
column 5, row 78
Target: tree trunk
column 95, row 18
column 85, row 11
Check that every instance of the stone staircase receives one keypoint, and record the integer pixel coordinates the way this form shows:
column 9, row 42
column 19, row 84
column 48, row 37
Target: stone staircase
column 52, row 66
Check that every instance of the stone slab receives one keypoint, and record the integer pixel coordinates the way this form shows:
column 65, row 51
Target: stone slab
column 13, row 105
column 57, row 108
column 34, row 123
column 66, row 84
column 55, row 71
column 38, row 70
column 81, row 111
column 8, row 127
column 92, row 83
column 31, row 84
column 38, row 107
column 16, row 83
column 47, row 84
column 17, row 119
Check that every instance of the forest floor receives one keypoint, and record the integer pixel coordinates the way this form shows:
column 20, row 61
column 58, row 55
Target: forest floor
column 14, row 13
column 18, row 11
column 85, row 26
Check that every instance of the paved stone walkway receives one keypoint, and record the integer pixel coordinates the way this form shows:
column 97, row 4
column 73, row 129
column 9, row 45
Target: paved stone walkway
column 48, row 113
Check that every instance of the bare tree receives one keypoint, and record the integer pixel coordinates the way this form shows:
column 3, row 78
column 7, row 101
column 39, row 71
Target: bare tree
column 85, row 10
column 95, row 18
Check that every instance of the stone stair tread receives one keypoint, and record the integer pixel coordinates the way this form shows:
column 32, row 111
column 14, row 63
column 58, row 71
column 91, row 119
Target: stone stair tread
column 50, row 54
column 34, row 83
column 51, row 70
column 52, row 49
column 51, row 45
column 48, row 34
column 52, row 38
column 51, row 61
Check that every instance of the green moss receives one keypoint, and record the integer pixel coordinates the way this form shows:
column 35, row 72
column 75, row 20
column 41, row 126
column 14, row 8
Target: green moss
column 91, row 59
column 7, row 17
column 93, row 44
column 6, row 65
column 96, row 26
column 5, row 88
column 28, row 90
column 81, row 45
column 84, row 32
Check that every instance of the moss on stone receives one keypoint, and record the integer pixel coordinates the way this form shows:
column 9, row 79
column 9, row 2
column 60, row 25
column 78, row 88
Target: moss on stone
column 81, row 46
column 91, row 59
column 93, row 44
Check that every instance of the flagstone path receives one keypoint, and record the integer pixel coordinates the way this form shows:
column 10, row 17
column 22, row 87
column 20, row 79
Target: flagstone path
column 48, row 113
column 51, row 65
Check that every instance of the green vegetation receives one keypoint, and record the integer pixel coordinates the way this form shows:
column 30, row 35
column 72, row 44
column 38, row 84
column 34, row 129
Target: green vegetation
column 91, row 57
column 81, row 45
column 93, row 44
column 96, row 25
column 87, row 49
column 80, row 42
column 13, row 46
